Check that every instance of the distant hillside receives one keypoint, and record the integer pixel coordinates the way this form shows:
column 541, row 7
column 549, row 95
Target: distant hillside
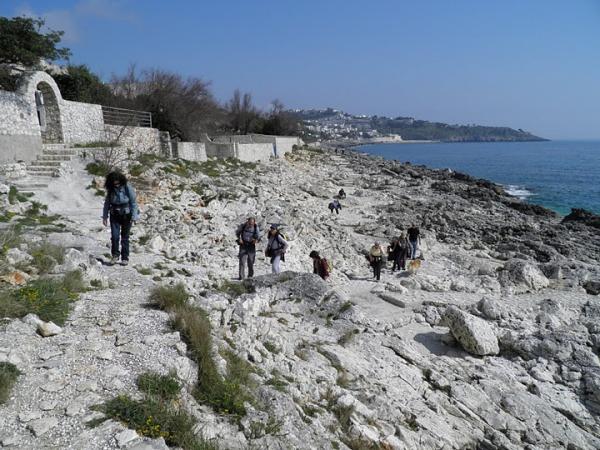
column 410, row 128
column 331, row 123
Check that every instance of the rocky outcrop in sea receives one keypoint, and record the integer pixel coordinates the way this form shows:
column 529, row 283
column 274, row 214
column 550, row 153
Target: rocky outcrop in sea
column 492, row 343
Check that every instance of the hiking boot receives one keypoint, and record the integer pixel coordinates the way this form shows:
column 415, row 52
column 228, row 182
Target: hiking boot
column 125, row 262
column 113, row 260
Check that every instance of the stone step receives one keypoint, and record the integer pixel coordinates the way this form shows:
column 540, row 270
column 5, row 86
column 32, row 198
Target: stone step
column 63, row 152
column 54, row 158
column 45, row 163
column 53, row 146
column 42, row 171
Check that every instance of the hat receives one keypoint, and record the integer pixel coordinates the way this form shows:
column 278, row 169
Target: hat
column 314, row 254
column 274, row 226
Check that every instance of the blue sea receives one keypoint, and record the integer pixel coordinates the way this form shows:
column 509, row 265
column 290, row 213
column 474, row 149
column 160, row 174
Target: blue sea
column 559, row 175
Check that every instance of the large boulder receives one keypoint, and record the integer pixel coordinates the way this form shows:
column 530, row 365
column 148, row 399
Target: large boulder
column 524, row 273
column 475, row 335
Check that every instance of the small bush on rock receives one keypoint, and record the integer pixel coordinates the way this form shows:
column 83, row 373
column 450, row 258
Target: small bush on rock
column 50, row 299
column 155, row 419
column 8, row 377
column 164, row 387
column 169, row 297
column 46, row 256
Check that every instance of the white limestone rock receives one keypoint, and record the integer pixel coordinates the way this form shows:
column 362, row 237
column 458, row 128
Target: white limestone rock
column 47, row 329
column 475, row 335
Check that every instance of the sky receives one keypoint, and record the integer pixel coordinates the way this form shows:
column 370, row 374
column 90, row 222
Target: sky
column 531, row 64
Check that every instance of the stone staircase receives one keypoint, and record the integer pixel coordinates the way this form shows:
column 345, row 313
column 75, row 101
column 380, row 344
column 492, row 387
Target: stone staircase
column 46, row 167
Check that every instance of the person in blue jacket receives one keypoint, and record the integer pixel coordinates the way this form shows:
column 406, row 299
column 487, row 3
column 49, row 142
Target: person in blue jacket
column 121, row 206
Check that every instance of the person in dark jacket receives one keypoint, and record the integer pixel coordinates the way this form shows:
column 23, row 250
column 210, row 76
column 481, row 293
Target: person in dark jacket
column 121, row 207
column 276, row 248
column 392, row 252
column 320, row 265
column 335, row 205
column 414, row 238
column 247, row 235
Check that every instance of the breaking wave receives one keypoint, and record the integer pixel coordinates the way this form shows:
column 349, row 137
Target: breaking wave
column 518, row 191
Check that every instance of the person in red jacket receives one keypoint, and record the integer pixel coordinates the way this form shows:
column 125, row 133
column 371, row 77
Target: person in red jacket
column 320, row 265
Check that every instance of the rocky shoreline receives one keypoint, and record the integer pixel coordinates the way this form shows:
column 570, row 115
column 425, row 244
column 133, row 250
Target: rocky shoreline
column 493, row 343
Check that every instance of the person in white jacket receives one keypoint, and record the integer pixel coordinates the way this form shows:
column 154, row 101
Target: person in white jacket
column 276, row 248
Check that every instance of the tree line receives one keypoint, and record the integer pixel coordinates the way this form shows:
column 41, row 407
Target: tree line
column 183, row 106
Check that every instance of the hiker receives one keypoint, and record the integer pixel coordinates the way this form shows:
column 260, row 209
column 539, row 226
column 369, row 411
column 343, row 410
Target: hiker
column 376, row 259
column 414, row 238
column 392, row 252
column 276, row 248
column 335, row 205
column 320, row 265
column 121, row 206
column 403, row 248
column 248, row 234
column 342, row 194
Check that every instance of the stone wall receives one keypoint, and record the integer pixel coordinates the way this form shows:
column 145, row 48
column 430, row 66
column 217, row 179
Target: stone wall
column 20, row 137
column 192, row 151
column 82, row 122
column 253, row 152
column 281, row 144
column 215, row 150
column 137, row 139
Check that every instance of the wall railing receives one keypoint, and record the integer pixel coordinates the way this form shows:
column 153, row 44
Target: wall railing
column 126, row 117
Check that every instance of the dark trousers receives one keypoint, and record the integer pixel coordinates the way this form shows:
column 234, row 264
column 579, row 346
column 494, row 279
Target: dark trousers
column 247, row 255
column 377, row 269
column 120, row 226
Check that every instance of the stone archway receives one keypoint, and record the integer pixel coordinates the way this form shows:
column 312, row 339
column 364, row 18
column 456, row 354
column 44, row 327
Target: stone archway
column 48, row 113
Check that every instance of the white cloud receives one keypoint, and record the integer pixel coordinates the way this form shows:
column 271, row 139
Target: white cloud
column 58, row 19
column 67, row 19
column 104, row 9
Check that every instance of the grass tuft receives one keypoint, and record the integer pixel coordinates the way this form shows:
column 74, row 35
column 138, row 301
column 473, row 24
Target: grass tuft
column 226, row 395
column 155, row 419
column 46, row 256
column 8, row 377
column 163, row 387
column 169, row 298
column 50, row 299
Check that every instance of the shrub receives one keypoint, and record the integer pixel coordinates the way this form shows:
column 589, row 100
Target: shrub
column 232, row 288
column 156, row 419
column 224, row 394
column 97, row 168
column 164, row 387
column 15, row 196
column 8, row 377
column 10, row 238
column 46, row 256
column 169, row 297
column 50, row 299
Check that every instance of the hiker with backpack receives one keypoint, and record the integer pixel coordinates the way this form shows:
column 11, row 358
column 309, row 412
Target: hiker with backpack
column 392, row 252
column 120, row 206
column 320, row 265
column 335, row 205
column 247, row 235
column 341, row 194
column 403, row 247
column 376, row 260
column 414, row 238
column 276, row 248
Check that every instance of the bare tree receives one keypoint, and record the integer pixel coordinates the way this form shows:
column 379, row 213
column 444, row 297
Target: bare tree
column 242, row 114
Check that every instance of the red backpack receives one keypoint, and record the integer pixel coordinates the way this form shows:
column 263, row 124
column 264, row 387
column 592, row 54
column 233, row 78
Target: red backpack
column 324, row 268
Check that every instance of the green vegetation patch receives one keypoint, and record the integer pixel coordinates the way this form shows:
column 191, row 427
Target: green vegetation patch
column 8, row 377
column 15, row 196
column 35, row 216
column 50, row 298
column 97, row 168
column 46, row 256
column 232, row 288
column 226, row 395
column 164, row 387
column 155, row 418
column 95, row 144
